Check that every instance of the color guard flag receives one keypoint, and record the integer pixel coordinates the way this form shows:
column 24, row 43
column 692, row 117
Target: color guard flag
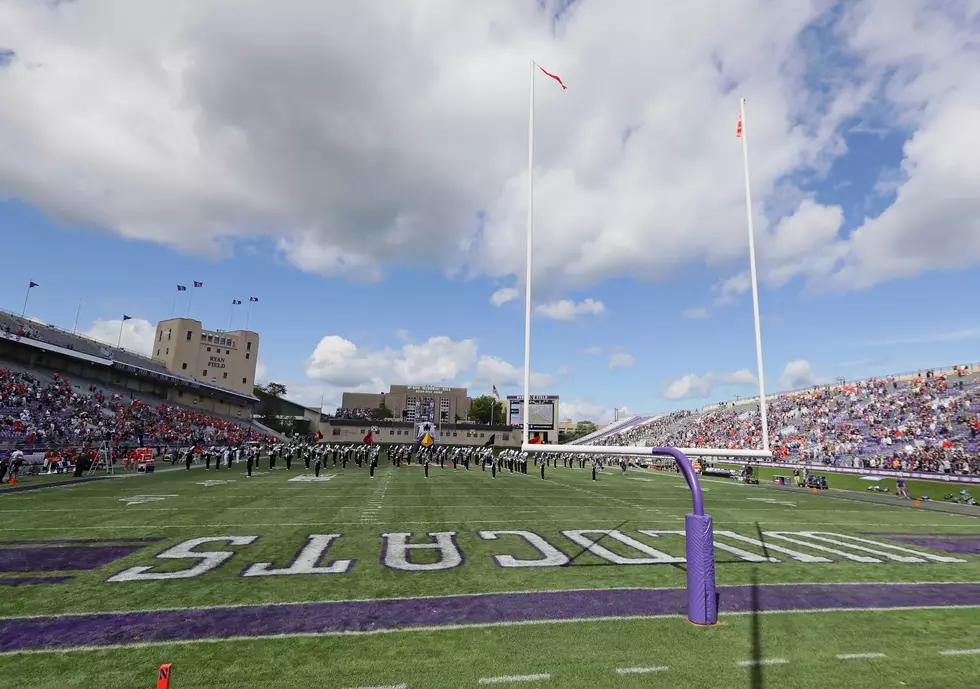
column 536, row 440
column 553, row 76
column 369, row 438
column 319, row 435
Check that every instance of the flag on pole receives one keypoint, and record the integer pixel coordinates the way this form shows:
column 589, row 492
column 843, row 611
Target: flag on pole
column 235, row 302
column 33, row 285
column 369, row 438
column 553, row 76
column 253, row 298
column 738, row 130
column 198, row 284
column 181, row 288
column 492, row 441
column 536, row 440
column 127, row 318
column 495, row 393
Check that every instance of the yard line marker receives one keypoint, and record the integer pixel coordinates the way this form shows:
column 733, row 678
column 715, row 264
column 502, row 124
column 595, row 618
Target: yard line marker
column 513, row 678
column 961, row 652
column 764, row 661
column 856, row 656
column 387, row 686
column 639, row 670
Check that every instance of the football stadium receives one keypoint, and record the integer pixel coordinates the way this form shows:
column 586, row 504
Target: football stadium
column 267, row 420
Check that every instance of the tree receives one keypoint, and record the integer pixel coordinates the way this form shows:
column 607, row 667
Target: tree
column 275, row 390
column 484, row 407
column 381, row 412
column 582, row 429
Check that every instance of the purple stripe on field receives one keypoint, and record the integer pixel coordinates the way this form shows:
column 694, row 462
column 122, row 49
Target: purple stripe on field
column 959, row 546
column 917, row 533
column 55, row 484
column 75, row 541
column 317, row 618
column 62, row 559
column 27, row 581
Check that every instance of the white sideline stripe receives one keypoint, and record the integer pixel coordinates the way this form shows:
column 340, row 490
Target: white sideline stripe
column 856, row 656
column 454, row 627
column 639, row 670
column 513, row 678
column 387, row 686
column 961, row 652
column 280, row 604
column 765, row 661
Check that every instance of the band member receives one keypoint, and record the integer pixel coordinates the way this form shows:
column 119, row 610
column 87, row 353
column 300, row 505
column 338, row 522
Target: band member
column 248, row 465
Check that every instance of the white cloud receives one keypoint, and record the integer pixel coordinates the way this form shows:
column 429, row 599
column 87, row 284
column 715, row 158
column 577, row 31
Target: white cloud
column 800, row 374
column 198, row 124
column 504, row 295
column 593, row 351
column 403, row 335
column 731, row 288
column 587, row 409
column 339, row 362
column 620, row 360
column 261, row 373
column 563, row 371
column 693, row 386
column 695, row 313
column 137, row 334
column 492, row 370
column 566, row 309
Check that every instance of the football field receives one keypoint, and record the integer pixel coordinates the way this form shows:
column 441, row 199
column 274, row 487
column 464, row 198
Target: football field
column 463, row 580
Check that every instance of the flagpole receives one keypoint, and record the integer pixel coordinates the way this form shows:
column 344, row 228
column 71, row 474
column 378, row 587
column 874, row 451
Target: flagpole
column 231, row 318
column 248, row 313
column 755, row 283
column 119, row 341
column 27, row 296
column 78, row 313
column 190, row 300
column 527, row 267
column 173, row 309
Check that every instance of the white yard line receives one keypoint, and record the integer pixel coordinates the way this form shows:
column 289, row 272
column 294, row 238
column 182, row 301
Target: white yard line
column 961, row 652
column 509, row 679
column 764, row 661
column 639, row 670
column 857, row 656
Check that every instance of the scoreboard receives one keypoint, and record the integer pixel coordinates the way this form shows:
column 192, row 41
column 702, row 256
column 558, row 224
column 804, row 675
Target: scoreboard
column 543, row 415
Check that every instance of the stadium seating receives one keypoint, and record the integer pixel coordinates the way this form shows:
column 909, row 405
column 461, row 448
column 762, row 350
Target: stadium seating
column 927, row 423
column 40, row 410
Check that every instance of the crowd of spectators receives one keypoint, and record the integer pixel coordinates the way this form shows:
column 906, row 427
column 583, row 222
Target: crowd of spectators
column 40, row 414
column 929, row 423
column 357, row 414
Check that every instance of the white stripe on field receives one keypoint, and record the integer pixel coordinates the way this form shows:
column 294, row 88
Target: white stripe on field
column 513, row 678
column 856, row 656
column 387, row 686
column 961, row 652
column 765, row 661
column 639, row 670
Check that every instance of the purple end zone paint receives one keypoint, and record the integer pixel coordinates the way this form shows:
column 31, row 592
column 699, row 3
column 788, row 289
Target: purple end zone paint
column 28, row 581
column 80, row 541
column 702, row 601
column 956, row 546
column 109, row 629
column 62, row 559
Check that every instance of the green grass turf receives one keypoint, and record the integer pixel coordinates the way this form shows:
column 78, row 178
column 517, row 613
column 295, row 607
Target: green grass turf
column 934, row 490
column 283, row 513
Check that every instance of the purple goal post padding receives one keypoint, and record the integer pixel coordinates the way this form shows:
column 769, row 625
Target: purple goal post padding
column 702, row 599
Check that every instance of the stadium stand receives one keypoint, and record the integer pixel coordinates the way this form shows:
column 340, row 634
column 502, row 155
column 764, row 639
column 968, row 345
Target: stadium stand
column 925, row 422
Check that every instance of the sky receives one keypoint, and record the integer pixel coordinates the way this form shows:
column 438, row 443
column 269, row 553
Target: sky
column 361, row 169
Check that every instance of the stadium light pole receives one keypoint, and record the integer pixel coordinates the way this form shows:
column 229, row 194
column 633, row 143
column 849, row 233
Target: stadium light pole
column 742, row 133
column 78, row 312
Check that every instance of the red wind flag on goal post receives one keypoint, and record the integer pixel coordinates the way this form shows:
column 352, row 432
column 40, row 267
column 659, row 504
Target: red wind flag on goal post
column 553, row 76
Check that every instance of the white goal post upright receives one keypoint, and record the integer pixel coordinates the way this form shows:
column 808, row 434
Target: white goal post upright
column 702, row 599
